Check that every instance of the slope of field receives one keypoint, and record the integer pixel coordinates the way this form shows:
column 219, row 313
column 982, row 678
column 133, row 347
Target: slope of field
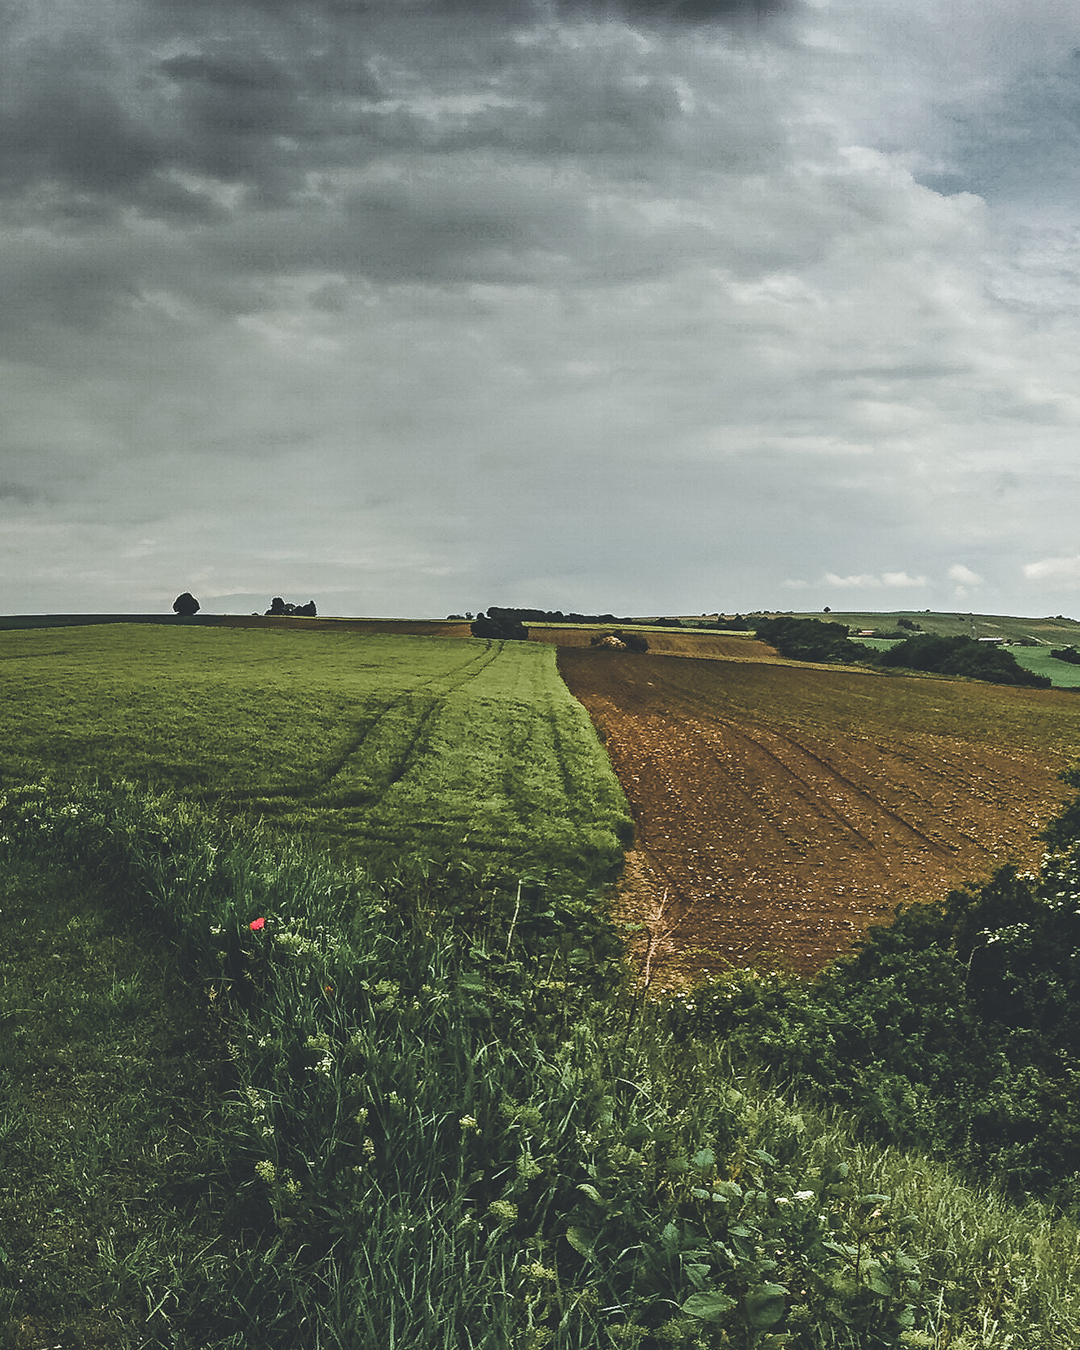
column 1054, row 630
column 783, row 808
column 385, row 744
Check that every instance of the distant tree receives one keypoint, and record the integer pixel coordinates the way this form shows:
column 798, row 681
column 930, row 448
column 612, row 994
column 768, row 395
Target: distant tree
column 186, row 605
column 490, row 626
column 278, row 607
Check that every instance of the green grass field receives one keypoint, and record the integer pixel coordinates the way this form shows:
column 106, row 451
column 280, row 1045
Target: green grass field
column 1055, row 630
column 381, row 745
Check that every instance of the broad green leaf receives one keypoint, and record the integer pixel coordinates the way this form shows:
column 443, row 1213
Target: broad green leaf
column 697, row 1274
column 704, row 1158
column 700, row 1193
column 730, row 1190
column 591, row 1191
column 765, row 1305
column 708, row 1307
column 580, row 1239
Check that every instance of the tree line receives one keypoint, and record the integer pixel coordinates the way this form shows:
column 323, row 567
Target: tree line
column 827, row 642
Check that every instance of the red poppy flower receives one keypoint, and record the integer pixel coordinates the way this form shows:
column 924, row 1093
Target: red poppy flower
column 256, row 924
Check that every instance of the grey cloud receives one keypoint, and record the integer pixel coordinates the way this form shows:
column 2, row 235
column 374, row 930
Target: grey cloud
column 670, row 11
column 60, row 118
column 19, row 493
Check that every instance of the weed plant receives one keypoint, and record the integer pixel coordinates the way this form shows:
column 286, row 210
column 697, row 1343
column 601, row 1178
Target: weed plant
column 436, row 1123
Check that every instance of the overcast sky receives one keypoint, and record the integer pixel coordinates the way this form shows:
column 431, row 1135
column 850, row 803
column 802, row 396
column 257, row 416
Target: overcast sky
column 417, row 306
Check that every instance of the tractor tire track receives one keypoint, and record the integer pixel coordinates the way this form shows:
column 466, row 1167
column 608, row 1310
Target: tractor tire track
column 774, row 815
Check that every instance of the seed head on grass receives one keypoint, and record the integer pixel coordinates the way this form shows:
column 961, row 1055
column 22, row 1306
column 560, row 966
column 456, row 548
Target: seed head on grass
column 470, row 1125
column 266, row 1171
column 505, row 1211
column 528, row 1168
column 536, row 1270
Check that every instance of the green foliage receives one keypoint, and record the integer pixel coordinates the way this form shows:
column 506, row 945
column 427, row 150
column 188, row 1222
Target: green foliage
column 961, row 656
column 809, row 640
column 442, row 1134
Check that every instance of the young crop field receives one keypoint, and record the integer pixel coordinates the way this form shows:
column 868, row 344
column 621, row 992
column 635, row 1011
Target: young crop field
column 379, row 744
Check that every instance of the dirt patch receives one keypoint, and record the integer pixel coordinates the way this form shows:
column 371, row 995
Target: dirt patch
column 784, row 809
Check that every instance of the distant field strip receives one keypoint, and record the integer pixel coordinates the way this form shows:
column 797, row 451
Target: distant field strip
column 384, row 744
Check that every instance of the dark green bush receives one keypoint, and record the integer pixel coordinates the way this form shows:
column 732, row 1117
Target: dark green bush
column 961, row 656
column 809, row 640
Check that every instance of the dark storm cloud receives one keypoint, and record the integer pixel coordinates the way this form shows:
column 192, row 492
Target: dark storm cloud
column 19, row 493
column 104, row 120
column 61, row 119
column 678, row 11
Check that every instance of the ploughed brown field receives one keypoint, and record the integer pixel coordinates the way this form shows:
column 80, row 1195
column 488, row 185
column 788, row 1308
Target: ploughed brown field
column 782, row 808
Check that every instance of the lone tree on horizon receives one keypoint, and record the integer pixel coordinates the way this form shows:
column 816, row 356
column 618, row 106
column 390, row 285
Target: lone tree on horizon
column 186, row 605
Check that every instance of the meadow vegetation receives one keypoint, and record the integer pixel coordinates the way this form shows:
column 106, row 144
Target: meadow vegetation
column 258, row 1092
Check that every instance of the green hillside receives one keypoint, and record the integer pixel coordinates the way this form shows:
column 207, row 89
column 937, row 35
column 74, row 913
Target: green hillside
column 1052, row 631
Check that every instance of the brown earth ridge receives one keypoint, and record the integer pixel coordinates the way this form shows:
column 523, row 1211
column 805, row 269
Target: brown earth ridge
column 781, row 808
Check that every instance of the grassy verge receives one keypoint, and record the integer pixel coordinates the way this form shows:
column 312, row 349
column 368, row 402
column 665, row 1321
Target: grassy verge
column 112, row 1077
column 436, row 1123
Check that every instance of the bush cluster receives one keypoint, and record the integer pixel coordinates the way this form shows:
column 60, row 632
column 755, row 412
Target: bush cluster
column 620, row 639
column 526, row 616
column 500, row 627
column 278, row 606
column 809, row 640
column 961, row 656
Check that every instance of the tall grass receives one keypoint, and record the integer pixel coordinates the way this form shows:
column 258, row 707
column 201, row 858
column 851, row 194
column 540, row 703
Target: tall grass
column 441, row 1126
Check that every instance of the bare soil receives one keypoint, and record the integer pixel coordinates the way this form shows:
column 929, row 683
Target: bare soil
column 781, row 808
